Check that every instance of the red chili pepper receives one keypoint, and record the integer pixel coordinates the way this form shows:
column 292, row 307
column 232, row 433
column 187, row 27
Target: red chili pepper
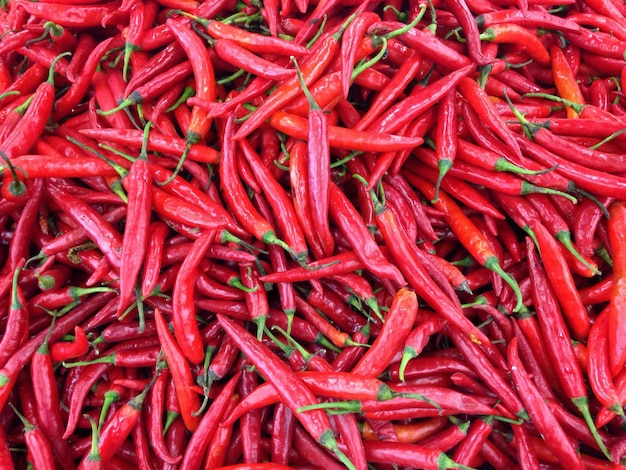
column 138, row 184
column 445, row 136
column 181, row 374
column 418, row 102
column 354, row 229
column 73, row 16
column 101, row 232
column 291, row 389
column 400, row 453
column 546, row 423
column 34, row 120
column 312, row 68
column 343, row 138
column 529, row 18
column 617, row 347
column 39, row 450
column 156, row 143
column 398, row 324
column 279, row 202
column 204, row 76
column 63, row 350
column 16, row 329
column 430, row 46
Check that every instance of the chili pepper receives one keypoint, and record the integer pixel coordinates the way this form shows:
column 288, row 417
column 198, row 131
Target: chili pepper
column 617, row 349
column 47, row 399
column 20, row 241
column 16, row 329
column 408, row 454
column 218, row 445
column 61, row 351
column 32, row 124
column 99, row 230
column 312, row 68
column 560, row 275
column 417, row 102
column 529, row 18
column 250, row 422
column 564, row 80
column 445, row 136
column 181, row 374
column 599, row 43
column 540, row 413
column 431, row 47
column 343, row 138
column 398, row 323
column 69, row 15
column 278, row 201
column 598, row 370
column 59, row 298
column 204, row 76
column 158, row 232
column 350, row 43
column 282, row 434
column 37, row 444
column 156, row 143
column 291, row 390
column 469, row 236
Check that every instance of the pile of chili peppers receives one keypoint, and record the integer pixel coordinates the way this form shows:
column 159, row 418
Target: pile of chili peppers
column 298, row 234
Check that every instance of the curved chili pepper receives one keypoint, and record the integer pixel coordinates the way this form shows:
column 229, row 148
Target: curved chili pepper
column 398, row 324
column 419, row 101
column 350, row 43
column 16, row 329
column 279, row 202
column 617, row 347
column 204, row 77
column 353, row 227
column 529, row 18
column 47, row 399
column 430, row 46
column 34, row 120
column 312, row 68
column 559, row 347
column 181, row 374
column 61, row 351
column 100, row 231
column 598, row 370
column 291, row 389
column 545, row 422
column 343, row 138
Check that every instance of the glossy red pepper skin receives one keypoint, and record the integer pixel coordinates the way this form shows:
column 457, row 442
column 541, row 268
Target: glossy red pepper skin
column 617, row 347
column 181, row 374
